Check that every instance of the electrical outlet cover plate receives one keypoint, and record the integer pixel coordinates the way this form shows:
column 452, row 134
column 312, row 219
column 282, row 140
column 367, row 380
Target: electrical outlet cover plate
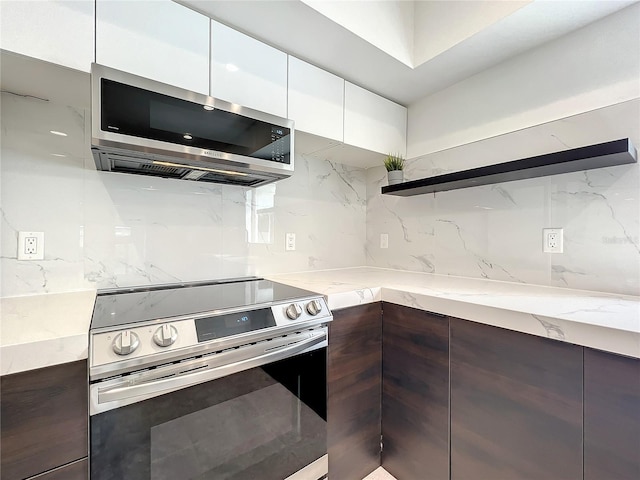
column 30, row 245
column 290, row 242
column 552, row 241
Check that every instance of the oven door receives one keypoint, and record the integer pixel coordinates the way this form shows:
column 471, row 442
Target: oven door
column 267, row 422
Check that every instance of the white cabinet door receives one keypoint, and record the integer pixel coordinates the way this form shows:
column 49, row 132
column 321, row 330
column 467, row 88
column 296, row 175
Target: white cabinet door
column 59, row 32
column 247, row 72
column 316, row 100
column 156, row 39
column 373, row 122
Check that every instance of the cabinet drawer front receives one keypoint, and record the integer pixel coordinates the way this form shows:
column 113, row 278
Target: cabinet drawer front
column 611, row 416
column 74, row 471
column 415, row 393
column 44, row 419
column 354, row 383
column 516, row 405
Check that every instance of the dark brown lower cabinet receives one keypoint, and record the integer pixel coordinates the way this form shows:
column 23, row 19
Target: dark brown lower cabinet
column 354, row 386
column 516, row 405
column 611, row 416
column 415, row 393
column 44, row 415
column 74, row 471
column 514, row 401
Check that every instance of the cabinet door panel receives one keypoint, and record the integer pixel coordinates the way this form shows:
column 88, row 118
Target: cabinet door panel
column 373, row 122
column 159, row 39
column 516, row 405
column 316, row 100
column 354, row 383
column 415, row 393
column 247, row 72
column 611, row 416
column 59, row 32
column 44, row 419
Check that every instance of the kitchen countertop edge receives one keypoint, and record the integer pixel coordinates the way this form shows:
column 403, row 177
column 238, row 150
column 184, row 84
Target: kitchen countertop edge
column 607, row 322
column 33, row 337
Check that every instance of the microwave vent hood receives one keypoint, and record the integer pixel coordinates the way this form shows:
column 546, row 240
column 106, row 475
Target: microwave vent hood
column 143, row 127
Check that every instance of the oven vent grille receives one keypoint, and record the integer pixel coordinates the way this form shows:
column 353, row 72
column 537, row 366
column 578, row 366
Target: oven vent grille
column 231, row 179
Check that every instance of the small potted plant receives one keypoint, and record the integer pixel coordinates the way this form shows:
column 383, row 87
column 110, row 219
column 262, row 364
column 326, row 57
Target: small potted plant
column 394, row 165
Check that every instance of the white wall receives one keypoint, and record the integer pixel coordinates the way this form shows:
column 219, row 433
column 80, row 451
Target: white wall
column 441, row 25
column 386, row 24
column 595, row 66
column 108, row 229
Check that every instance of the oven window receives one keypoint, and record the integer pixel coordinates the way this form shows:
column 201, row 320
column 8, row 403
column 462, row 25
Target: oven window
column 265, row 423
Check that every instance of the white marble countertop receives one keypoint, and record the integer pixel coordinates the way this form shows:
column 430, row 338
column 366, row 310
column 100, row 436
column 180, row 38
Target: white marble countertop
column 42, row 330
column 599, row 320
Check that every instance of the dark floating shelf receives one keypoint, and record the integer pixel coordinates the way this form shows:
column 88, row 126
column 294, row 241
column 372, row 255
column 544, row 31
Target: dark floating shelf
column 608, row 154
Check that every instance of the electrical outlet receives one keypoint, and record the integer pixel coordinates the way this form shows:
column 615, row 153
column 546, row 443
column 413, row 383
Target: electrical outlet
column 384, row 240
column 552, row 241
column 290, row 242
column 30, row 245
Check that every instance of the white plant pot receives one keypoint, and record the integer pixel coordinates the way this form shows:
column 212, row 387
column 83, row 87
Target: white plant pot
column 395, row 176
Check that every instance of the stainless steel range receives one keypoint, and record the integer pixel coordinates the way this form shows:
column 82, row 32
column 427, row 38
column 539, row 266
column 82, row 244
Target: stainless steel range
column 211, row 380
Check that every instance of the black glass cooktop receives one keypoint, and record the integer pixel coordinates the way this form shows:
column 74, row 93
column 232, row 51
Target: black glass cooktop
column 138, row 304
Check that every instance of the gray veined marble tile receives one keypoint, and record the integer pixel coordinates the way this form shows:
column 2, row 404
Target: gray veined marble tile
column 495, row 231
column 105, row 229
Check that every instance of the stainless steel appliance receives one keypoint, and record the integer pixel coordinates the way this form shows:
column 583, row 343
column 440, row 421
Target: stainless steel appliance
column 223, row 380
column 145, row 127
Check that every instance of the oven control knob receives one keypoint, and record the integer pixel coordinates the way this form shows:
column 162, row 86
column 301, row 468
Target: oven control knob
column 165, row 335
column 125, row 342
column 314, row 307
column 294, row 311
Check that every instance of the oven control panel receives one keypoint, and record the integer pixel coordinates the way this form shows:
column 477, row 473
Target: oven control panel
column 153, row 342
column 136, row 342
column 301, row 311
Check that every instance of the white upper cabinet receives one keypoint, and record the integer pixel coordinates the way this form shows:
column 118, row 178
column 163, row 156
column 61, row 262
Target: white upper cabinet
column 59, row 32
column 158, row 39
column 247, row 72
column 373, row 122
column 316, row 100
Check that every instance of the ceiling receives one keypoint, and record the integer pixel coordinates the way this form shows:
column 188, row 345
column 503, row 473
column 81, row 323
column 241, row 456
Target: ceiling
column 406, row 50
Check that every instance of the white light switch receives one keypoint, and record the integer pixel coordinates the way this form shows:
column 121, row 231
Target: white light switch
column 384, row 240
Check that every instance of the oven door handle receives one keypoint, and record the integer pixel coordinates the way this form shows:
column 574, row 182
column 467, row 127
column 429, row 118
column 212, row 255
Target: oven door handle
column 153, row 388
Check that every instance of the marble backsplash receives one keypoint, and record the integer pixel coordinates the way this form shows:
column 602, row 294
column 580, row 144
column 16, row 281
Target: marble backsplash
column 495, row 231
column 107, row 229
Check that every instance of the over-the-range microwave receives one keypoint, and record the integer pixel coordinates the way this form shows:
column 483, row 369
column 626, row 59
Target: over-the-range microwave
column 145, row 127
